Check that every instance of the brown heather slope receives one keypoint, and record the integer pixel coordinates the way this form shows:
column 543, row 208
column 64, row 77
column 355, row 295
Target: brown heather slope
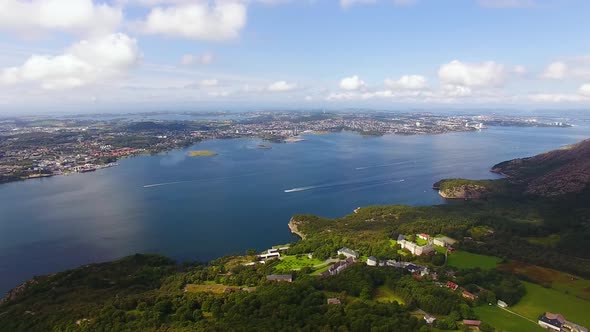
column 552, row 173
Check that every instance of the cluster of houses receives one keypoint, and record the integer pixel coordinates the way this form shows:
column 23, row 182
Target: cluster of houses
column 550, row 321
column 464, row 293
column 419, row 271
column 418, row 250
column 414, row 269
column 557, row 322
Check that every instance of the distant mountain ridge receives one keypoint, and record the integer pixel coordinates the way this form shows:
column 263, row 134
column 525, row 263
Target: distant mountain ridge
column 553, row 173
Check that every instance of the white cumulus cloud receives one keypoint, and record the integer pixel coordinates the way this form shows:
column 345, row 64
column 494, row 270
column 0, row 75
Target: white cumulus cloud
column 281, row 86
column 75, row 16
column 584, row 90
column 407, row 82
column 483, row 74
column 85, row 62
column 556, row 70
column 352, row 83
column 200, row 21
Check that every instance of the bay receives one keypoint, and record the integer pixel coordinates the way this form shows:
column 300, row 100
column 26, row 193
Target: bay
column 205, row 207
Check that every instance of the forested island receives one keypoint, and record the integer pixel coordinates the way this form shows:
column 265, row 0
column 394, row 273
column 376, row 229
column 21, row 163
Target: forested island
column 515, row 249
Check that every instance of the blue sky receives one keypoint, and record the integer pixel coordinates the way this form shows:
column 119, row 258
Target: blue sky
column 126, row 55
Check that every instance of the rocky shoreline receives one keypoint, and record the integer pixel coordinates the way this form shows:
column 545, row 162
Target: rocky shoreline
column 294, row 227
column 18, row 290
column 464, row 192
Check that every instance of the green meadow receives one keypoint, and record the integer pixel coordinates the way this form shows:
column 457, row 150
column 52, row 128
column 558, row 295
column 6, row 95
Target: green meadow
column 539, row 299
column 290, row 263
column 467, row 260
column 505, row 321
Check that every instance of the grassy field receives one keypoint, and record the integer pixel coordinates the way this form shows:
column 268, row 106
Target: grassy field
column 208, row 288
column 384, row 294
column 467, row 260
column 320, row 270
column 289, row 263
column 505, row 321
column 539, row 300
column 560, row 281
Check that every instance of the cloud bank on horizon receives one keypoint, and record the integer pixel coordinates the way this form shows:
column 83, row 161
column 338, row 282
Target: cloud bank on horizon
column 153, row 54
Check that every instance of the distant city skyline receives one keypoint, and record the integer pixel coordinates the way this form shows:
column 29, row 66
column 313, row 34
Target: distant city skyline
column 164, row 55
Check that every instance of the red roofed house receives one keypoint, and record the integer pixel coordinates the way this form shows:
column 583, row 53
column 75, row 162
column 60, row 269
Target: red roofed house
column 469, row 322
column 469, row 296
column 452, row 285
column 424, row 236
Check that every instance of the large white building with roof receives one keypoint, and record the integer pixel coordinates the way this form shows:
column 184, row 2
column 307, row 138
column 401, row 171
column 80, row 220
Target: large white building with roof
column 415, row 249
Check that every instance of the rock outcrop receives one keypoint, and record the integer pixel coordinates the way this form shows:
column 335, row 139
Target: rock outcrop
column 15, row 292
column 294, row 227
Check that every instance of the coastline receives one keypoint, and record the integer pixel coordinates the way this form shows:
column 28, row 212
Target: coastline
column 81, row 171
column 294, row 227
column 288, row 140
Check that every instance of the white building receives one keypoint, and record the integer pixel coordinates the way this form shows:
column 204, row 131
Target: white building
column 429, row 319
column 372, row 261
column 416, row 249
column 348, row 253
column 269, row 255
column 444, row 241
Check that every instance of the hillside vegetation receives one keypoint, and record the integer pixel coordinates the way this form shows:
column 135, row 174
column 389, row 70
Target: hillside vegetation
column 553, row 173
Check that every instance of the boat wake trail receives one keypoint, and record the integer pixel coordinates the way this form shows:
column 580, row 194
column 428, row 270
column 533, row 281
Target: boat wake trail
column 166, row 184
column 300, row 189
column 344, row 184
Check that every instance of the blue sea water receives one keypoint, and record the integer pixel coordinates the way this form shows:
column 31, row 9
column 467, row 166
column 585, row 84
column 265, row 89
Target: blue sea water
column 202, row 208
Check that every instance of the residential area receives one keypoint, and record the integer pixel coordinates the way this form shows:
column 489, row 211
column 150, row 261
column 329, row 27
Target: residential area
column 412, row 247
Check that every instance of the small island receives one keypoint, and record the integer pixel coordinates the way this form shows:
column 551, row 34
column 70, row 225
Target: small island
column 201, row 153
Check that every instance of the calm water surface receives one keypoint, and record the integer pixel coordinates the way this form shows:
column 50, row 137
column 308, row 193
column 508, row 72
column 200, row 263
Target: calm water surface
column 202, row 208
